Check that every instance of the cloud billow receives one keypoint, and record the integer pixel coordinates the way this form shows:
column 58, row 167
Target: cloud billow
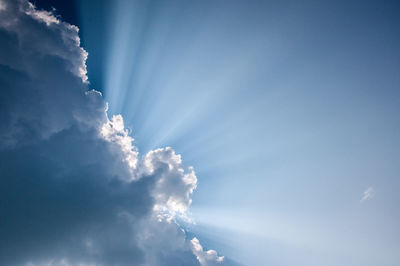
column 73, row 188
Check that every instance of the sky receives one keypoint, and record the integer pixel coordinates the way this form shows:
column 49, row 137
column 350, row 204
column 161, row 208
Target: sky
column 287, row 110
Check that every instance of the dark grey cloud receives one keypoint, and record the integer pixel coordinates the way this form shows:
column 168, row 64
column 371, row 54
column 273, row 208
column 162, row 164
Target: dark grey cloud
column 73, row 188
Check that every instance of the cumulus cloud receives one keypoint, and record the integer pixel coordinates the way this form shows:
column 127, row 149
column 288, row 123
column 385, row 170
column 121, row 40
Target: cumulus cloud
column 208, row 257
column 74, row 189
column 368, row 194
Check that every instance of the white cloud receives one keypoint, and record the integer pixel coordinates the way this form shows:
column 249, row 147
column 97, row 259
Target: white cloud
column 114, row 131
column 368, row 194
column 175, row 185
column 74, row 187
column 206, row 258
column 41, row 15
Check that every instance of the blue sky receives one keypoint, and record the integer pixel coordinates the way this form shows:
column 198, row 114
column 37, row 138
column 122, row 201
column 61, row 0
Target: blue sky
column 288, row 111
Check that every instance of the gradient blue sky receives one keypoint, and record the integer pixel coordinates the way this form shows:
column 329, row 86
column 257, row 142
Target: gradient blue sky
column 288, row 110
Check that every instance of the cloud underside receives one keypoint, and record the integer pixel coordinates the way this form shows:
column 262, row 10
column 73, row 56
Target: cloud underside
column 73, row 188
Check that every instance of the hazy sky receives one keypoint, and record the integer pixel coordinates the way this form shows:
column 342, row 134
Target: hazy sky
column 288, row 111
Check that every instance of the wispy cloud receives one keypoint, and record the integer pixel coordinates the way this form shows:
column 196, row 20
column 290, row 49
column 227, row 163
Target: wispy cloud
column 368, row 194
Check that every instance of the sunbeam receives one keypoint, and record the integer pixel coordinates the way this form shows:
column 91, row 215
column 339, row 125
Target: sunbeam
column 287, row 110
